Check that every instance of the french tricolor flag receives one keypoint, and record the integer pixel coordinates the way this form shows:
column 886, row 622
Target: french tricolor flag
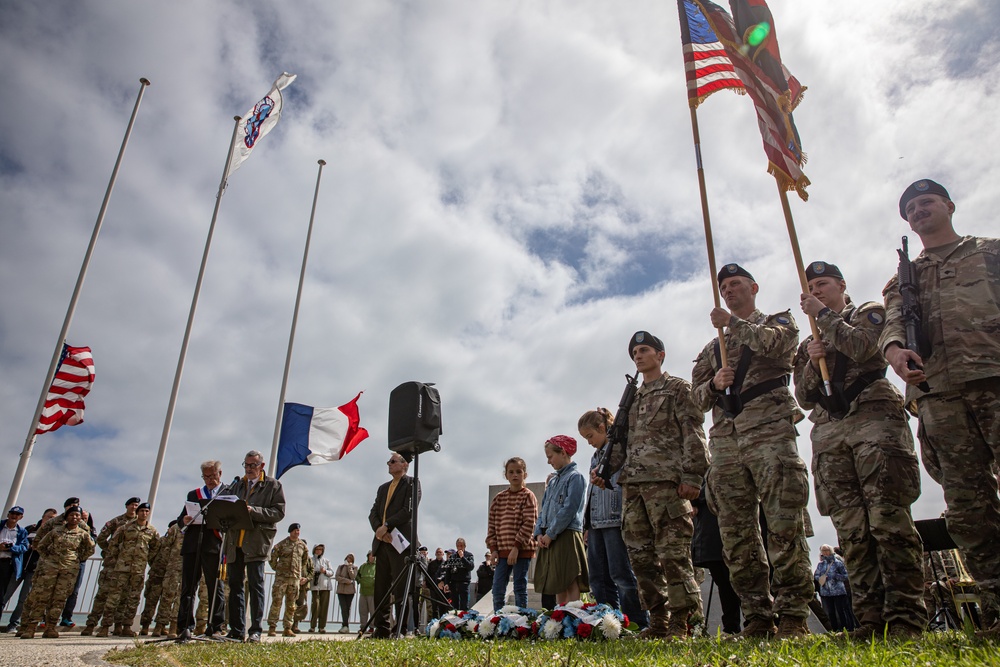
column 313, row 436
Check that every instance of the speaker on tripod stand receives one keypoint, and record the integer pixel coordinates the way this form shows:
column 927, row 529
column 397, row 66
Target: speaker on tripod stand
column 414, row 427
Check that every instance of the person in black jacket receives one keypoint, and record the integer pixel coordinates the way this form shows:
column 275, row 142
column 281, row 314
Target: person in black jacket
column 392, row 511
column 484, row 576
column 200, row 556
column 458, row 575
column 706, row 552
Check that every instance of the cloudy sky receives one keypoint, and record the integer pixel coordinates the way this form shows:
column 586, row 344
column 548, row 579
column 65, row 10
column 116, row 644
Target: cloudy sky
column 510, row 194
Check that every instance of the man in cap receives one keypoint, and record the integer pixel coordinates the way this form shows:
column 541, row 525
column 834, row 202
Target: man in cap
column 62, row 549
column 13, row 546
column 755, row 463
column 247, row 550
column 133, row 546
column 292, row 570
column 391, row 511
column 661, row 473
column 958, row 283
column 199, row 550
column 108, row 564
column 864, row 466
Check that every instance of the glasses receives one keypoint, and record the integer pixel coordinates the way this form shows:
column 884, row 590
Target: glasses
column 391, row 461
column 251, row 466
column 214, row 475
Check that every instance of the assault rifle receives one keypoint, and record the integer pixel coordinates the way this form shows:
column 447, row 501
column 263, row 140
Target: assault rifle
column 911, row 309
column 618, row 431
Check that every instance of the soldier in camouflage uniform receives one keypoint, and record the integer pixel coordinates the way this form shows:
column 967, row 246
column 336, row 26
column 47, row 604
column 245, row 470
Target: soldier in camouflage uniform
column 292, row 569
column 663, row 470
column 154, row 583
column 864, row 466
column 958, row 279
column 755, row 462
column 61, row 549
column 301, row 603
column 133, row 546
column 108, row 564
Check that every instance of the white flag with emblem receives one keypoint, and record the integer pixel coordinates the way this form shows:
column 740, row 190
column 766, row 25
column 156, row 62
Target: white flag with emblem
column 257, row 122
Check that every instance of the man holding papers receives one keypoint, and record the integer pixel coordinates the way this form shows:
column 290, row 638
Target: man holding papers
column 390, row 519
column 200, row 554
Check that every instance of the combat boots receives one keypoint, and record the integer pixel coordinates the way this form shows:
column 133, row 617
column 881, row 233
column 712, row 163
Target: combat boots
column 103, row 631
column 758, row 628
column 289, row 632
column 160, row 630
column 50, row 633
column 200, row 627
column 271, row 632
column 125, row 630
column 144, row 630
column 88, row 631
column 677, row 626
column 792, row 627
column 26, row 632
column 172, row 632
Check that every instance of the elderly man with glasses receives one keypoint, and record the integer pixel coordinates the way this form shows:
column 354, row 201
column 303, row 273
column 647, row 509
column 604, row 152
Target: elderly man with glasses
column 247, row 550
column 392, row 511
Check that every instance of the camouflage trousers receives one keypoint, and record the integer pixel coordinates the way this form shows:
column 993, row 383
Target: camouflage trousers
column 124, row 591
column 959, row 436
column 170, row 595
column 285, row 587
column 101, row 597
column 49, row 589
column 657, row 527
column 151, row 597
column 866, row 477
column 753, row 473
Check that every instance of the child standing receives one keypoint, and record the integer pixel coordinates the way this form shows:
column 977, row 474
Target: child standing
column 508, row 537
column 611, row 577
column 562, row 563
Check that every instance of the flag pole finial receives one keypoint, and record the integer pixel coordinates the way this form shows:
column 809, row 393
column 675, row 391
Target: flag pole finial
column 144, row 81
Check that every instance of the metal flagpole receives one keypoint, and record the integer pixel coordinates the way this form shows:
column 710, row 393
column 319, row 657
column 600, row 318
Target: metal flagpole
column 29, row 442
column 291, row 335
column 800, row 267
column 190, row 322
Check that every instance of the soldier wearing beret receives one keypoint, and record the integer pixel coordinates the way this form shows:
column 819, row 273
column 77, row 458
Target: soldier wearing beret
column 133, row 546
column 62, row 549
column 661, row 474
column 755, row 462
column 108, row 564
column 292, row 570
column 958, row 279
column 864, row 465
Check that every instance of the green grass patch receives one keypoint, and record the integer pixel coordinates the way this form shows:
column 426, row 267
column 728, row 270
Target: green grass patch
column 952, row 649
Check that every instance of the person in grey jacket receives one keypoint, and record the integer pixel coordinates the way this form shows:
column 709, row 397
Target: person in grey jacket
column 321, row 586
column 247, row 550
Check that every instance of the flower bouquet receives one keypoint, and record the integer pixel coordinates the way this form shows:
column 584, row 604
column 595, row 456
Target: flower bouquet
column 590, row 621
column 455, row 625
column 509, row 622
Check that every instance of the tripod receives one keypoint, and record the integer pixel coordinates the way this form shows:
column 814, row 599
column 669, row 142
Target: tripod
column 414, row 567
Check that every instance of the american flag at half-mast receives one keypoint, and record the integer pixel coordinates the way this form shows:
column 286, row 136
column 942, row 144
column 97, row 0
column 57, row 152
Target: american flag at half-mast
column 773, row 106
column 258, row 121
column 72, row 382
column 707, row 67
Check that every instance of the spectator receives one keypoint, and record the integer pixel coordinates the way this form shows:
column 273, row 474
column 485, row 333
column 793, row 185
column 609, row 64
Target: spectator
column 28, row 571
column 831, row 574
column 458, row 575
column 347, row 573
column 366, row 586
column 706, row 552
column 322, row 584
column 512, row 517
column 13, row 546
column 484, row 577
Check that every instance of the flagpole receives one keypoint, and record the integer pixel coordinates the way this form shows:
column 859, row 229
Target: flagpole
column 295, row 318
column 803, row 281
column 723, row 352
column 29, row 443
column 190, row 322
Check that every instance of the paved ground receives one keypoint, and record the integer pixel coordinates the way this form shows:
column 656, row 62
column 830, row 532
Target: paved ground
column 72, row 650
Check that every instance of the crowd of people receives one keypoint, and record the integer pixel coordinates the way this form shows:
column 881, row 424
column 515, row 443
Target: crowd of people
column 733, row 503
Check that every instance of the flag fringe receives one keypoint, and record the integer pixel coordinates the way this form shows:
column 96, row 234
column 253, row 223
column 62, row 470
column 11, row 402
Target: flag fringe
column 787, row 184
column 695, row 102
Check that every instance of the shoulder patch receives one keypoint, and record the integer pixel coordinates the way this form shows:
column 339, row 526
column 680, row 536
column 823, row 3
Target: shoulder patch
column 781, row 319
column 876, row 317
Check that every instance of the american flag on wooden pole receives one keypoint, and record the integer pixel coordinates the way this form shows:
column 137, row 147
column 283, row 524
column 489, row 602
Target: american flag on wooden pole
column 707, row 67
column 72, row 382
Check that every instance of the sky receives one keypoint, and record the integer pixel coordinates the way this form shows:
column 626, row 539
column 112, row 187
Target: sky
column 510, row 193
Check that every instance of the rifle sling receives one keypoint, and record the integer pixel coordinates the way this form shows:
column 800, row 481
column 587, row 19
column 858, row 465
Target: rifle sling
column 735, row 407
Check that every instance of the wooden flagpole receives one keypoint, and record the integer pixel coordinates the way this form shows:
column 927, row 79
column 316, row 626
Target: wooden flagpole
column 291, row 335
column 723, row 352
column 29, row 443
column 172, row 404
column 800, row 267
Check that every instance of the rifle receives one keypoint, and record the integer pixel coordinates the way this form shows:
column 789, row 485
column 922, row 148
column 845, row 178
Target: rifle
column 618, row 431
column 912, row 316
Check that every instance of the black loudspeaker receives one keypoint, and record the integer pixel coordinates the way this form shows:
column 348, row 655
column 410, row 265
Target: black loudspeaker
column 414, row 418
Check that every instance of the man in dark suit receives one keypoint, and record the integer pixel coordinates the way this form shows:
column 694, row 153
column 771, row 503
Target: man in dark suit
column 200, row 556
column 392, row 511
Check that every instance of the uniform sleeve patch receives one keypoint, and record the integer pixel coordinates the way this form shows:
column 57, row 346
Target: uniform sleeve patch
column 876, row 317
column 781, row 319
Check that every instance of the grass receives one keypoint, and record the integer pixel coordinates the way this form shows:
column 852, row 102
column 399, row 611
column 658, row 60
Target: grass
column 951, row 648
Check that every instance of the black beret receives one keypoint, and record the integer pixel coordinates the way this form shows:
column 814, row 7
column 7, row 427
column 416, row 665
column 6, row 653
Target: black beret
column 924, row 186
column 70, row 502
column 143, row 506
column 294, row 526
column 823, row 270
column 74, row 508
column 644, row 338
column 730, row 270
column 131, row 500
